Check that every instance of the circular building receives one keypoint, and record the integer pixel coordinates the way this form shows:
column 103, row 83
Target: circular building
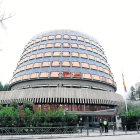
column 66, row 59
column 64, row 68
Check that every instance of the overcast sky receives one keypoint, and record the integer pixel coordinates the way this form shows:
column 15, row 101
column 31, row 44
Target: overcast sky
column 114, row 23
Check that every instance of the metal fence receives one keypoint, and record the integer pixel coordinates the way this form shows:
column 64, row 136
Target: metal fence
column 67, row 131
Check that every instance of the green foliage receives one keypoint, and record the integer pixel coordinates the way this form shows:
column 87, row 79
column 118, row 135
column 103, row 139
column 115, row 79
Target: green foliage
column 28, row 104
column 138, row 91
column 4, row 87
column 1, row 107
column 132, row 93
column 27, row 117
column 1, row 87
column 14, row 104
column 133, row 112
column 9, row 116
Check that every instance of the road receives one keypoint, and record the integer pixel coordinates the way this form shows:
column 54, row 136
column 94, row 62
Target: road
column 122, row 137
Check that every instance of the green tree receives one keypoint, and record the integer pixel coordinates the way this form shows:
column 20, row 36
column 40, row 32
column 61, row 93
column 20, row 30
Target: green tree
column 28, row 104
column 132, row 93
column 130, row 106
column 27, row 117
column 1, row 107
column 4, row 87
column 138, row 91
column 8, row 117
column 15, row 105
column 1, row 87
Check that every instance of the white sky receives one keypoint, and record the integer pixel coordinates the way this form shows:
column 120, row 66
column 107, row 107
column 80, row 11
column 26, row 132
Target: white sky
column 114, row 23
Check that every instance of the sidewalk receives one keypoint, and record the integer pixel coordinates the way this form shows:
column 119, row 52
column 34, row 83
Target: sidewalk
column 63, row 136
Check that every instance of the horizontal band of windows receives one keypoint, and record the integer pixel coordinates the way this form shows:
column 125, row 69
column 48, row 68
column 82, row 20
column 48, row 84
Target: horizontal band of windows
column 65, row 36
column 63, row 74
column 58, row 44
column 73, row 54
column 63, row 63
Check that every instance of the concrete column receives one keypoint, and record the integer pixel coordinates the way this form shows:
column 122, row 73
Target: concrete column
column 84, row 107
column 92, row 124
column 73, row 105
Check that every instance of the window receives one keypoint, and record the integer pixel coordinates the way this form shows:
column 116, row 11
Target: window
column 33, row 41
column 66, row 45
column 103, row 62
column 13, row 80
column 100, row 68
column 89, row 49
column 37, row 40
column 54, row 74
column 46, row 64
column 42, row 46
column 106, row 71
column 73, row 37
column 66, row 63
column 56, row 53
column 110, row 81
column 57, row 45
column 29, row 66
column 51, row 37
column 26, row 59
column 21, row 61
column 44, row 74
column 92, row 42
column 66, row 37
column 76, row 75
column 32, row 56
column 24, row 53
column 44, row 38
column 74, row 45
column 34, row 75
column 83, row 55
column 17, row 71
column 37, row 65
column 50, row 45
column 26, row 76
column 65, row 54
column 96, row 77
column 98, row 59
column 35, row 48
column 110, row 73
column 82, row 47
column 75, row 54
column 23, row 68
column 39, row 55
column 48, row 54
column 103, row 79
column 94, row 50
column 87, row 40
column 80, row 38
column 85, row 65
column 19, row 78
column 55, row 63
column 93, row 67
column 75, row 64
column 58, row 36
column 91, row 57
column 99, row 53
column 65, row 74
column 29, row 50
column 86, row 76
column 97, row 45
